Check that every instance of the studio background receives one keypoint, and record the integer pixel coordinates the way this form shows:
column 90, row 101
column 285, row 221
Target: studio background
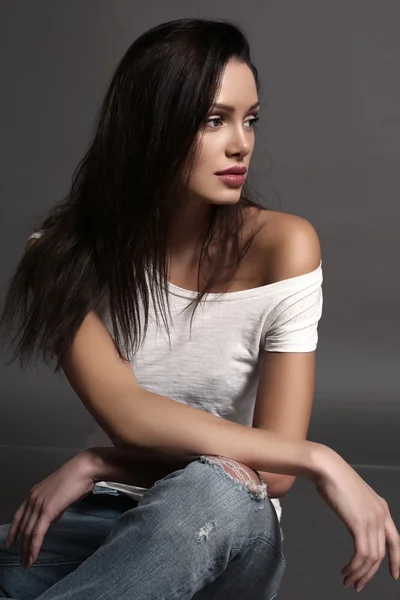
column 328, row 142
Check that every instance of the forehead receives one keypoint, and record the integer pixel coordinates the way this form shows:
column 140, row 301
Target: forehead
column 238, row 86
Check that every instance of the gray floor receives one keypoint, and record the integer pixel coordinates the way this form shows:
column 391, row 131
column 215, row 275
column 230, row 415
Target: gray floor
column 317, row 544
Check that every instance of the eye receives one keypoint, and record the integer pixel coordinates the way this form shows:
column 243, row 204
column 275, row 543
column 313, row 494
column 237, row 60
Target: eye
column 253, row 121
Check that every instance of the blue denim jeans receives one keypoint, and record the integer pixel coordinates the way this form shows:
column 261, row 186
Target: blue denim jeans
column 197, row 533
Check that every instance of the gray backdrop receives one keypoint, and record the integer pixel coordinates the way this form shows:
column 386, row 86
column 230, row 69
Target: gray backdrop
column 330, row 125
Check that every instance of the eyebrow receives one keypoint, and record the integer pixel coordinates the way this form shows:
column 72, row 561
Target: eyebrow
column 231, row 108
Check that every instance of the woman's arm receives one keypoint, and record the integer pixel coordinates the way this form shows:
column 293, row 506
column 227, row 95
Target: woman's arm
column 107, row 463
column 152, row 425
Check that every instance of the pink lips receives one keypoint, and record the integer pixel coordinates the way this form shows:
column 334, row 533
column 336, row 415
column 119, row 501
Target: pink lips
column 232, row 179
column 233, row 171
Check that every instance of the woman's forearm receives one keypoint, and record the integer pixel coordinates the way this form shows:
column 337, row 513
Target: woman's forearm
column 160, row 426
column 160, row 435
column 277, row 484
column 107, row 463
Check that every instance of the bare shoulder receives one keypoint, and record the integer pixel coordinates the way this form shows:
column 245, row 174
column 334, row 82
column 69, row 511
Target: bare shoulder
column 290, row 245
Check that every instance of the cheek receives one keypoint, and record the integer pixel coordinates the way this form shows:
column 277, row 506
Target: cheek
column 208, row 160
column 202, row 172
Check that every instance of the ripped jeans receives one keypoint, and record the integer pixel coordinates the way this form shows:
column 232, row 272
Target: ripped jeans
column 208, row 531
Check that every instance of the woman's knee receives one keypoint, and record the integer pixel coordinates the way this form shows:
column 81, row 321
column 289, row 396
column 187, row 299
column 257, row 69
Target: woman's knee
column 205, row 504
column 249, row 478
column 230, row 491
column 232, row 497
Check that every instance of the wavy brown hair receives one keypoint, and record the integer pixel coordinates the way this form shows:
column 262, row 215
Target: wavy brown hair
column 112, row 228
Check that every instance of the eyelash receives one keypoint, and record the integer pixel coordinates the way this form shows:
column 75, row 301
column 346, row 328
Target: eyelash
column 253, row 121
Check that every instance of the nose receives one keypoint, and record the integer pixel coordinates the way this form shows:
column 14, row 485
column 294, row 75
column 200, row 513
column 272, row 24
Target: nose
column 240, row 143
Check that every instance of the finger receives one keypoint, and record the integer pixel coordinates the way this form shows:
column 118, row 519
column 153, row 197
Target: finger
column 371, row 559
column 381, row 550
column 25, row 533
column 16, row 523
column 38, row 534
column 393, row 544
column 33, row 539
column 361, row 547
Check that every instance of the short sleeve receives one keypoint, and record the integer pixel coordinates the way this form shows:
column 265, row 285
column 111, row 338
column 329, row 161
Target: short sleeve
column 293, row 322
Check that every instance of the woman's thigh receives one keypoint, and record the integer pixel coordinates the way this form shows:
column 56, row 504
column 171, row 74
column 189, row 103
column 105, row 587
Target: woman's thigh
column 228, row 517
column 82, row 529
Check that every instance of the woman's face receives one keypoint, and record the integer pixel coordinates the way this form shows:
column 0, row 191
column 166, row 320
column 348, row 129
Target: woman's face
column 228, row 137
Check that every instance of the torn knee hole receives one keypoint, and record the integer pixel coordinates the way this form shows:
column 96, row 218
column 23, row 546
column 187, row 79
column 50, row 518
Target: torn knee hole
column 240, row 472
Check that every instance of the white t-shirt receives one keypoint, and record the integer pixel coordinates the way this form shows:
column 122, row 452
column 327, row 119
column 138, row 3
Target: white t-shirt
column 218, row 369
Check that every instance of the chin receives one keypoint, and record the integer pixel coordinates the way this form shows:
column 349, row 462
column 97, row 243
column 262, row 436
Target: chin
column 227, row 202
column 234, row 199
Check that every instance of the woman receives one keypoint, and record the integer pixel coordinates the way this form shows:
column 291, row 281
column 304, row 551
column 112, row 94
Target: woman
column 199, row 437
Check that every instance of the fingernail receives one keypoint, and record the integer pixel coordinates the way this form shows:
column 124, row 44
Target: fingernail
column 360, row 588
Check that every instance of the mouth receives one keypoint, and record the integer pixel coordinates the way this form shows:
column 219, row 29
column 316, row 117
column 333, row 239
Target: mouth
column 233, row 171
column 232, row 179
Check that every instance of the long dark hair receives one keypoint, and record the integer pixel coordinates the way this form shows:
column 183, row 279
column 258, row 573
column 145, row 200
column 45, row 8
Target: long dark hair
column 112, row 228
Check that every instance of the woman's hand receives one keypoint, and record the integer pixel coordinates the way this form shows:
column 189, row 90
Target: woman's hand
column 365, row 514
column 46, row 504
